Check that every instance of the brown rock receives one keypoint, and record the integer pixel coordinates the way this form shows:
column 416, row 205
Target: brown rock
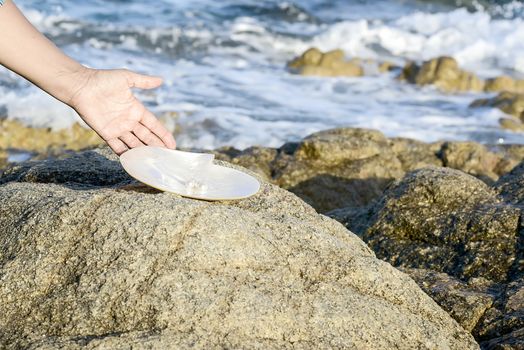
column 472, row 158
column 504, row 83
column 333, row 63
column 511, row 124
column 444, row 73
column 102, row 265
column 338, row 168
column 445, row 220
column 15, row 135
column 415, row 154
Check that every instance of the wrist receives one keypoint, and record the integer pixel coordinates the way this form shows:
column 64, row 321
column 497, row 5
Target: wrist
column 68, row 82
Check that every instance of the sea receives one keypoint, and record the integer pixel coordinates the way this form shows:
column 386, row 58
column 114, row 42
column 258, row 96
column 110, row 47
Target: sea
column 224, row 65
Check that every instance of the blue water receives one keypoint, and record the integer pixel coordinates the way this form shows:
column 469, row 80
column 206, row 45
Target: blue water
column 224, row 64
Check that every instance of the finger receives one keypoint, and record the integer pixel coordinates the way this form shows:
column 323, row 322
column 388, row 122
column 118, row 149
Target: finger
column 153, row 124
column 142, row 81
column 131, row 140
column 117, row 146
column 146, row 136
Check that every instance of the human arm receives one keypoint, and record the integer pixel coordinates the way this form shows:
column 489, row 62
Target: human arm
column 102, row 98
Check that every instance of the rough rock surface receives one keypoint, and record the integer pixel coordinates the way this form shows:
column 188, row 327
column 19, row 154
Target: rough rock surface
column 445, row 220
column 511, row 186
column 460, row 239
column 474, row 159
column 90, row 259
column 465, row 302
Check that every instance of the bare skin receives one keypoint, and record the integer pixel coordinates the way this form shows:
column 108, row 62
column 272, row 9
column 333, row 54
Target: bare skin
column 102, row 98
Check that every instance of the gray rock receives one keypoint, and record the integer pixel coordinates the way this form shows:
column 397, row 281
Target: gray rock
column 445, row 220
column 89, row 259
column 465, row 302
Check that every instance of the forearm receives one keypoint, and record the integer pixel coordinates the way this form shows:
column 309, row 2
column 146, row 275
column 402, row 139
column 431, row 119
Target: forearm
column 24, row 50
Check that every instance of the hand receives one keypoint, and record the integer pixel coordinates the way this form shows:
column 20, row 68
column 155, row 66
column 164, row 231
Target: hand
column 104, row 100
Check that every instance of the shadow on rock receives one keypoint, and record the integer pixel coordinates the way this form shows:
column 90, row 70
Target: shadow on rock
column 97, row 168
column 328, row 192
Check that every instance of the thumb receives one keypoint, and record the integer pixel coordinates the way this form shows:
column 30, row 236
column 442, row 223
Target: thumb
column 141, row 81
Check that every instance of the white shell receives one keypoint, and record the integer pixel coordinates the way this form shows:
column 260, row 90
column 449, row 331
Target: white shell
column 188, row 174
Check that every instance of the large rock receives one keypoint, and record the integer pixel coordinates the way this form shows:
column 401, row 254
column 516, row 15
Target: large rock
column 90, row 259
column 445, row 220
column 459, row 239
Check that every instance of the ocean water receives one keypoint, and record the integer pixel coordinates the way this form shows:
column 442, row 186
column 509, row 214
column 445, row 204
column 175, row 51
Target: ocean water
column 224, row 64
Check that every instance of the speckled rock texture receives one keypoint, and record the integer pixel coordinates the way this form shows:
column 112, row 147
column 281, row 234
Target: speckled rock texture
column 459, row 238
column 445, row 220
column 90, row 259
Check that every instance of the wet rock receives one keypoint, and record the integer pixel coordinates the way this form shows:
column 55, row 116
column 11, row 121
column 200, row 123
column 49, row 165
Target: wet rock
column 472, row 158
column 385, row 67
column 100, row 264
column 511, row 185
column 511, row 124
column 15, row 135
column 501, row 326
column 445, row 220
column 465, row 302
column 350, row 168
column 444, row 73
column 3, row 160
column 329, row 64
column 507, row 102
